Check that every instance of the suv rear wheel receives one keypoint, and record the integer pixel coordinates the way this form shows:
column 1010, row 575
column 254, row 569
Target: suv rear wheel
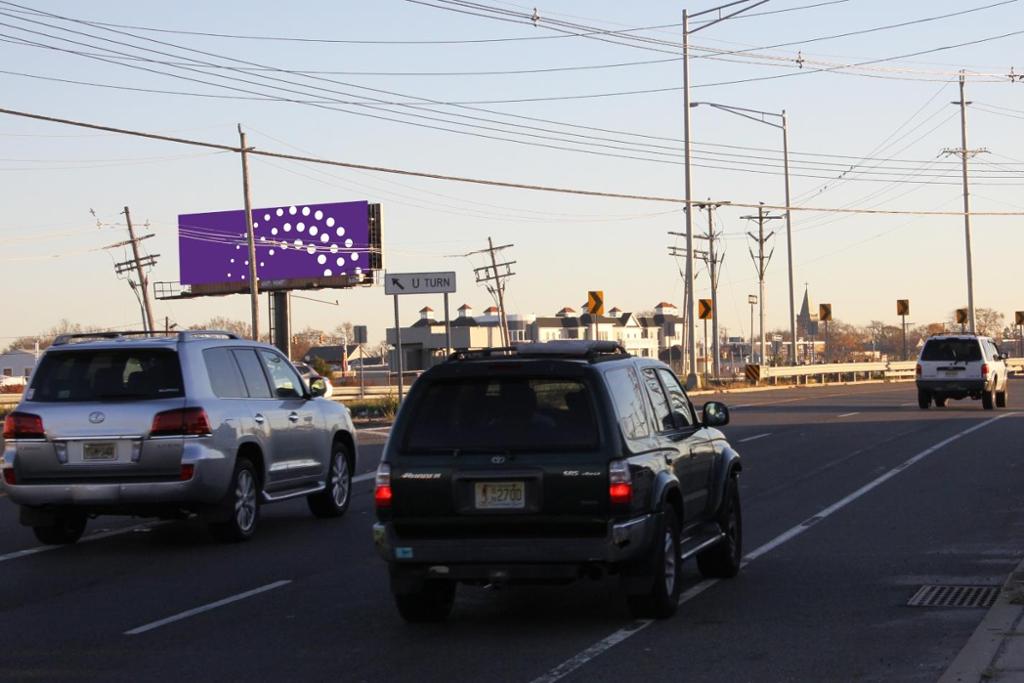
column 334, row 499
column 661, row 599
column 723, row 559
column 988, row 400
column 924, row 399
column 430, row 601
column 1001, row 396
column 66, row 528
column 940, row 401
column 242, row 504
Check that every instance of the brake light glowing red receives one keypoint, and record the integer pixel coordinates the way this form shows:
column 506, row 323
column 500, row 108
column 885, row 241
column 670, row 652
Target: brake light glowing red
column 382, row 486
column 187, row 471
column 620, row 493
column 917, row 371
column 181, row 422
column 984, row 370
column 9, row 476
column 23, row 426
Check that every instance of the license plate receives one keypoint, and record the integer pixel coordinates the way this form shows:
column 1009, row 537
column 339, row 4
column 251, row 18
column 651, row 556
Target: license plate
column 952, row 373
column 99, row 452
column 499, row 495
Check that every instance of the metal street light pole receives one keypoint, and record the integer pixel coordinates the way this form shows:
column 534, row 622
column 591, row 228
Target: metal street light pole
column 759, row 116
column 692, row 380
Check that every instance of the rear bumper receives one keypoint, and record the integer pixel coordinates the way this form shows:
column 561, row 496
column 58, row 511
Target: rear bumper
column 954, row 387
column 515, row 558
column 208, row 484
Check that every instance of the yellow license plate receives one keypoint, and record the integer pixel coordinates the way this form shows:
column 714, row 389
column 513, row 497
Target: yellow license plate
column 500, row 495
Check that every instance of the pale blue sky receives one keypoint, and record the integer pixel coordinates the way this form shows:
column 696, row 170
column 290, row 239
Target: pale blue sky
column 53, row 175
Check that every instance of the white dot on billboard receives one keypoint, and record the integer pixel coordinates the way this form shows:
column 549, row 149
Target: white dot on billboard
column 263, row 238
column 266, row 216
column 359, row 271
column 297, row 243
column 271, row 252
column 321, row 259
column 355, row 257
column 238, row 246
column 348, row 243
column 232, row 261
column 311, row 249
column 255, row 224
column 287, row 227
column 340, row 232
column 229, row 274
column 340, row 261
column 313, row 230
column 330, row 222
column 284, row 245
column 305, row 211
column 291, row 210
column 273, row 231
column 325, row 238
column 319, row 215
column 334, row 248
column 247, row 263
column 328, row 272
column 301, row 227
column 280, row 212
column 243, row 277
column 262, row 264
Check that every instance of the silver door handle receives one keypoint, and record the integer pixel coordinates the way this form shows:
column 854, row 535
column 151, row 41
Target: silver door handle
column 294, row 417
column 259, row 419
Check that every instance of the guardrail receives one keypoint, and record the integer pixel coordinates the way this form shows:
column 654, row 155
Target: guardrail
column 893, row 371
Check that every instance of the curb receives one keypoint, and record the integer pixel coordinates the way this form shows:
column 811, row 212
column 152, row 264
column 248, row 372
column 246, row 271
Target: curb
column 997, row 635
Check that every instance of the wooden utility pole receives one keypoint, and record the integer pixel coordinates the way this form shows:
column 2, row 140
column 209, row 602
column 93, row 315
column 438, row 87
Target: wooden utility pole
column 494, row 280
column 254, row 294
column 143, row 280
column 761, row 264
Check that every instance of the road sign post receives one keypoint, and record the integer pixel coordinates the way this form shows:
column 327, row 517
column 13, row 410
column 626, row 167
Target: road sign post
column 1019, row 318
column 961, row 319
column 825, row 315
column 399, row 284
column 903, row 310
column 705, row 311
column 595, row 307
column 359, row 332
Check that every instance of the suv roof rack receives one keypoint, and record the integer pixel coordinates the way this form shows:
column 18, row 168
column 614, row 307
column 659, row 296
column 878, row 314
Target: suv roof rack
column 185, row 335
column 583, row 349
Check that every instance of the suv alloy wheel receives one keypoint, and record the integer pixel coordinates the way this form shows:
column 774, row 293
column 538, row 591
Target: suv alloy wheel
column 242, row 503
column 333, row 500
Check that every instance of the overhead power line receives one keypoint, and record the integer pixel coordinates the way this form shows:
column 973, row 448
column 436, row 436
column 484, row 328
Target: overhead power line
column 475, row 181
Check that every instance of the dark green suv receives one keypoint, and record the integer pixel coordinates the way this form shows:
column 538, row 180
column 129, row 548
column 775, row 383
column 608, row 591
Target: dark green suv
column 552, row 462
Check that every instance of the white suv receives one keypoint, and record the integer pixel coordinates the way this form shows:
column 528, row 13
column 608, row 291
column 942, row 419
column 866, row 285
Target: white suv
column 961, row 365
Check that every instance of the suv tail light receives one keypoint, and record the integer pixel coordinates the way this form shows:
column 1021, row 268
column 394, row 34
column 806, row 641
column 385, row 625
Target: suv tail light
column 984, row 370
column 181, row 422
column 382, row 490
column 9, row 476
column 620, row 483
column 23, row 426
column 917, row 371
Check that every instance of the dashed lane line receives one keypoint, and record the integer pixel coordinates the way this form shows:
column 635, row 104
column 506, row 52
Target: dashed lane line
column 754, row 437
column 207, row 607
column 572, row 664
column 92, row 537
column 856, row 412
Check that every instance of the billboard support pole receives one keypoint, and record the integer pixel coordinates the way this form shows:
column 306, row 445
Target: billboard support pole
column 447, row 328
column 250, row 238
column 398, row 350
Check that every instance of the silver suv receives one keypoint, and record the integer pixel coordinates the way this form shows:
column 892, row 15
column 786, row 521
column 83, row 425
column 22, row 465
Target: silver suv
column 199, row 422
column 959, row 366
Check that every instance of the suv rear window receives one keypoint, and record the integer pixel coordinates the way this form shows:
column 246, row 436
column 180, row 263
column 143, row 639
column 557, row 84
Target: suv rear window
column 502, row 415
column 952, row 350
column 107, row 375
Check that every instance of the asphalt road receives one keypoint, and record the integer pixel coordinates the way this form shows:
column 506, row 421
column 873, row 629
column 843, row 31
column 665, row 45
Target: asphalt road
column 853, row 498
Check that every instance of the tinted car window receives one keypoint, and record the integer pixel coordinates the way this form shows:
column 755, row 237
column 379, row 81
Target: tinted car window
column 502, row 415
column 628, row 396
column 107, row 375
column 661, row 410
column 676, row 397
column 225, row 378
column 963, row 350
column 252, row 373
column 285, row 380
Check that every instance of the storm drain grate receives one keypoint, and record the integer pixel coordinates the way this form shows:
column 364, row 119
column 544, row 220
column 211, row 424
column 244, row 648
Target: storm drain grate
column 954, row 596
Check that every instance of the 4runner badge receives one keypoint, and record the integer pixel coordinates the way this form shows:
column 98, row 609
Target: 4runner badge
column 97, row 417
column 498, row 459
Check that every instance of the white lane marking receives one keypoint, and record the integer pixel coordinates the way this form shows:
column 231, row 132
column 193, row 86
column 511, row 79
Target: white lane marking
column 849, row 414
column 93, row 537
column 904, row 405
column 376, row 429
column 364, row 477
column 207, row 607
column 598, row 648
column 754, row 437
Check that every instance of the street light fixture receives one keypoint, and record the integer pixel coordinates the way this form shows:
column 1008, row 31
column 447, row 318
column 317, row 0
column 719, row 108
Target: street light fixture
column 762, row 117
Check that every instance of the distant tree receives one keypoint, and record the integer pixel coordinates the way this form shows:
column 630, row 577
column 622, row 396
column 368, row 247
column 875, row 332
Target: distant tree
column 239, row 327
column 987, row 321
column 345, row 331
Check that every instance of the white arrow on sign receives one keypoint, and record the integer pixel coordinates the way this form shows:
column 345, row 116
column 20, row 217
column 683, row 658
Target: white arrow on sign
column 419, row 283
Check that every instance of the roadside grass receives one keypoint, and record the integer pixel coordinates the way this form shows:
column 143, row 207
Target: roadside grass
column 376, row 408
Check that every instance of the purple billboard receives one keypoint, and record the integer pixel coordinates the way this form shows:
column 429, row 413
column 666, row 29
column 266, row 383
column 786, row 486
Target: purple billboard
column 298, row 241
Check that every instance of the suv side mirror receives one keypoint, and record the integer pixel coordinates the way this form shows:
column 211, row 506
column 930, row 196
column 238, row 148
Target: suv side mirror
column 318, row 387
column 715, row 414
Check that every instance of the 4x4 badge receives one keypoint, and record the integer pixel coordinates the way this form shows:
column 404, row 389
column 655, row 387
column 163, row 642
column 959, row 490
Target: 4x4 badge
column 498, row 459
column 97, row 417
